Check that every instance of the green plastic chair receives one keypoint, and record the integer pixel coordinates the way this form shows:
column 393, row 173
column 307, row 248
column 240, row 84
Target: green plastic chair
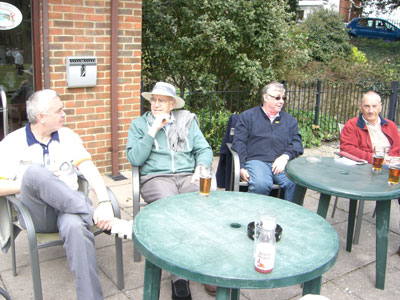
column 43, row 240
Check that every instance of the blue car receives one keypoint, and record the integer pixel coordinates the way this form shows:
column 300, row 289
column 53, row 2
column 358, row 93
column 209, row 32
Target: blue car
column 373, row 28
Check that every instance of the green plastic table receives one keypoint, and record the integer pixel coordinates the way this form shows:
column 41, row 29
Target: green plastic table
column 332, row 178
column 205, row 239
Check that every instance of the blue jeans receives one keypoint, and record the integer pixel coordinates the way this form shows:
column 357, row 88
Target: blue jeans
column 262, row 179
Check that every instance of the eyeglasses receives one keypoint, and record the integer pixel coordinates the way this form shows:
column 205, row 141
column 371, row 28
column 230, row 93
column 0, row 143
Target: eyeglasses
column 278, row 98
column 160, row 100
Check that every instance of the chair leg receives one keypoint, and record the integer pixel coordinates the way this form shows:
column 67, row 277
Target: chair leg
column 119, row 263
column 12, row 238
column 136, row 255
column 118, row 244
column 334, row 207
column 35, row 269
column 360, row 213
column 13, row 260
column 4, row 294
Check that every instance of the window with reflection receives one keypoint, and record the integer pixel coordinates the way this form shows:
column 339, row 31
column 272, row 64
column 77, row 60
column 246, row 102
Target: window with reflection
column 16, row 62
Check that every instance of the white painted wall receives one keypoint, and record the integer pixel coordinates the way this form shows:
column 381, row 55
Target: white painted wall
column 311, row 5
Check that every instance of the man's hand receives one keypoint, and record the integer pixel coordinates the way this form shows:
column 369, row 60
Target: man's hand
column 279, row 165
column 103, row 216
column 196, row 175
column 244, row 174
column 159, row 121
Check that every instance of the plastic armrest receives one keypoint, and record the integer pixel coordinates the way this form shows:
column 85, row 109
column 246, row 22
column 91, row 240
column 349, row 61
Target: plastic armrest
column 114, row 202
column 235, row 176
column 135, row 190
column 26, row 216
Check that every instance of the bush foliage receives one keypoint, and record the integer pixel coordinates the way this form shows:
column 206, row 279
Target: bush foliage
column 327, row 36
column 204, row 41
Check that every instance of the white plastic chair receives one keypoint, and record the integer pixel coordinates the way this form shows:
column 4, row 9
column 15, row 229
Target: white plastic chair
column 360, row 210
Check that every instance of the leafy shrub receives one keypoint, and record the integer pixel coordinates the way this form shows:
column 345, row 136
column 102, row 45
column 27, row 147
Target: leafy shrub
column 312, row 135
column 327, row 36
column 213, row 125
column 205, row 41
column 358, row 56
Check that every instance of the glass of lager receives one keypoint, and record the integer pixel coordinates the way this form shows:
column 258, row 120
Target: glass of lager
column 205, row 180
column 394, row 171
column 378, row 158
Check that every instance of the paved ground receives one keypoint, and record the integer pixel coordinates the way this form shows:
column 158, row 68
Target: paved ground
column 352, row 277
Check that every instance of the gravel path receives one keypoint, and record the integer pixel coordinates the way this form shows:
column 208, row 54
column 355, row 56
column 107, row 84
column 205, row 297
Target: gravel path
column 326, row 150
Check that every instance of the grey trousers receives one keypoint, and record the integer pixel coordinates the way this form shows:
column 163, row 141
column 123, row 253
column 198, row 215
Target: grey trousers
column 55, row 207
column 157, row 187
column 162, row 186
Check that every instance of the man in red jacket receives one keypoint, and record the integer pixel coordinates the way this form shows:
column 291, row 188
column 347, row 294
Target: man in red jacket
column 369, row 129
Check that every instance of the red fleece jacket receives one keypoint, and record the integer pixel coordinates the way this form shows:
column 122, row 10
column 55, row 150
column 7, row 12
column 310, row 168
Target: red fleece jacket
column 355, row 139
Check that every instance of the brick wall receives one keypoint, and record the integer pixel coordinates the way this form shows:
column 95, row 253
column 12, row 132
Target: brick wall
column 345, row 7
column 83, row 28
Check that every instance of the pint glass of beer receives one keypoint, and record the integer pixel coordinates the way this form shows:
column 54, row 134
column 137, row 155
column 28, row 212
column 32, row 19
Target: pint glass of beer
column 205, row 180
column 378, row 158
column 394, row 171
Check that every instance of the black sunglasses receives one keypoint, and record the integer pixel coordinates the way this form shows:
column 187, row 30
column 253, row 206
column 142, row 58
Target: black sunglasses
column 278, row 97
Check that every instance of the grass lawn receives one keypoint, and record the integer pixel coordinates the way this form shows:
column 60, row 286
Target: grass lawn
column 9, row 79
column 376, row 50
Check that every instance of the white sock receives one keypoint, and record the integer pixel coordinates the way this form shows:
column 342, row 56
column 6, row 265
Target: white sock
column 122, row 228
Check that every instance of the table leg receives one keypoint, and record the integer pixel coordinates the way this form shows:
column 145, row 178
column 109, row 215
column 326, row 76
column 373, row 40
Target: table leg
column 350, row 224
column 222, row 293
column 359, row 216
column 382, row 229
column 235, row 294
column 323, row 205
column 313, row 286
column 152, row 278
column 298, row 195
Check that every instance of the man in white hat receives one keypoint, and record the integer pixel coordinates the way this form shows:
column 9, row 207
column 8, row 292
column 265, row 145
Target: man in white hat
column 167, row 145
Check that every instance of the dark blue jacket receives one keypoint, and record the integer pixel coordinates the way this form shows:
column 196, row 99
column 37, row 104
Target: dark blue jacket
column 257, row 139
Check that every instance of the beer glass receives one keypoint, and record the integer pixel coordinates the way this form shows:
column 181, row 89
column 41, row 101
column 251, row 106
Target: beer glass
column 394, row 171
column 378, row 158
column 205, row 180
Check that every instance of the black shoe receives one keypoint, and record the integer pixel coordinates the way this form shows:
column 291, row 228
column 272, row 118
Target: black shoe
column 211, row 289
column 398, row 251
column 181, row 290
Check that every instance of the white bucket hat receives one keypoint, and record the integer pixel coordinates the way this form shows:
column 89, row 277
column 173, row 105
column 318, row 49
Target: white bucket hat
column 165, row 89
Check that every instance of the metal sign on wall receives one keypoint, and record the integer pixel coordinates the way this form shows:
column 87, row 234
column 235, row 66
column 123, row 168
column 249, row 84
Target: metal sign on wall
column 81, row 71
column 10, row 16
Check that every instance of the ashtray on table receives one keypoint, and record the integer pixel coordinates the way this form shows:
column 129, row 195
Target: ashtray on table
column 250, row 231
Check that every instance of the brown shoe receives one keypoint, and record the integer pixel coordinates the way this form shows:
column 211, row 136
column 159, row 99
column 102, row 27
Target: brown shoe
column 210, row 289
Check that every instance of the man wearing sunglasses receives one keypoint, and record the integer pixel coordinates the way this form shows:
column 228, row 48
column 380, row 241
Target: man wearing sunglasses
column 266, row 138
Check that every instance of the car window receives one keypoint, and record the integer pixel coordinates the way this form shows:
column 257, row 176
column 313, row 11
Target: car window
column 379, row 24
column 367, row 23
column 362, row 23
column 389, row 27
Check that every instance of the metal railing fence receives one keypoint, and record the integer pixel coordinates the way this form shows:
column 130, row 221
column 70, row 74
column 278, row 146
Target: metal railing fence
column 318, row 104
